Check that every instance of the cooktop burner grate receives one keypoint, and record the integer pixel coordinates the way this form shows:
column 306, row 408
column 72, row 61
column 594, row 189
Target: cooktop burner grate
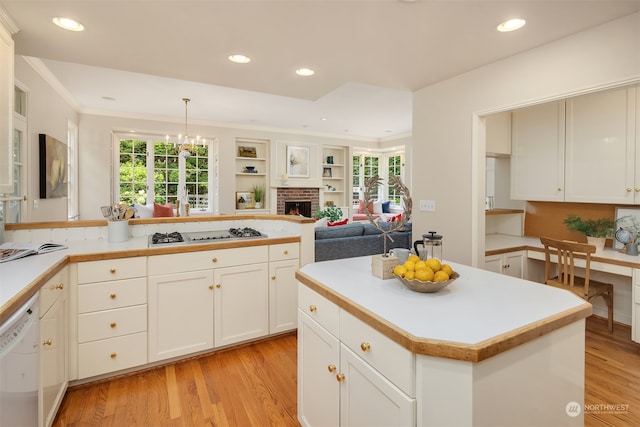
column 173, row 237
column 245, row 232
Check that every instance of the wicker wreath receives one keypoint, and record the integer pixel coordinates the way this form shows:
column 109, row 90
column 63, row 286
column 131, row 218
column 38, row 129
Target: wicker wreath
column 373, row 183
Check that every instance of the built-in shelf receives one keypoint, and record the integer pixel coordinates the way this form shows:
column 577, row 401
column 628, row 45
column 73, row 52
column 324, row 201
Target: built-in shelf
column 503, row 212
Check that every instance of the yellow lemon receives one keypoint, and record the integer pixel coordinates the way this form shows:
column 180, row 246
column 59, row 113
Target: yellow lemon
column 414, row 258
column 410, row 275
column 409, row 265
column 441, row 276
column 399, row 270
column 434, row 264
column 447, row 269
column 425, row 275
column 420, row 264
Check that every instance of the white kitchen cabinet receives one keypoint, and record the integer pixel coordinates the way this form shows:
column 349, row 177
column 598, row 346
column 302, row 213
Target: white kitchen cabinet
column 109, row 316
column 283, row 287
column 635, row 308
column 359, row 377
column 498, row 134
column 6, row 110
column 600, row 164
column 512, row 264
column 537, row 152
column 53, row 355
column 241, row 303
column 180, row 314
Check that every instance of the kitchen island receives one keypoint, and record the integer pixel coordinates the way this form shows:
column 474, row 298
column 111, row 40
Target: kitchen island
column 487, row 350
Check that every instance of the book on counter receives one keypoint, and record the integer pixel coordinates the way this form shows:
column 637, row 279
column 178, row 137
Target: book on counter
column 14, row 250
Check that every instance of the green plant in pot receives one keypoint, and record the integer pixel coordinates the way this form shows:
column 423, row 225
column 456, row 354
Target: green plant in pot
column 258, row 195
column 596, row 230
column 332, row 213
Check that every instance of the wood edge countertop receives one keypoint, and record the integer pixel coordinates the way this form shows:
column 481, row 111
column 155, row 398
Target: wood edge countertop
column 449, row 349
column 35, row 285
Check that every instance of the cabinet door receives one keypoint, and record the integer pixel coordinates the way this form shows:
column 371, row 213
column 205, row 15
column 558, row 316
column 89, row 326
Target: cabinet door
column 537, row 153
column 515, row 264
column 494, row 263
column 600, row 148
column 369, row 399
column 241, row 303
column 283, row 296
column 318, row 365
column 180, row 314
column 53, row 365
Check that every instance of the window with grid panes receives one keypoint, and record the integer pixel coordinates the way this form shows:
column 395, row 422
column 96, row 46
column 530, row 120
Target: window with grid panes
column 395, row 168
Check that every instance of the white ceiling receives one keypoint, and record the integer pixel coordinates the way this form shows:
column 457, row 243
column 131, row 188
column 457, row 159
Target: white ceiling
column 369, row 55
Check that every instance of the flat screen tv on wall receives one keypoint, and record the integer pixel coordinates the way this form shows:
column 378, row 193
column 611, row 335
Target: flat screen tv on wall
column 53, row 167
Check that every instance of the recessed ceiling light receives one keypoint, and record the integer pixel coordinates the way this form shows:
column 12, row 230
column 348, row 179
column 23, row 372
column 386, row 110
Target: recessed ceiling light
column 305, row 72
column 68, row 24
column 239, row 59
column 324, row 119
column 511, row 25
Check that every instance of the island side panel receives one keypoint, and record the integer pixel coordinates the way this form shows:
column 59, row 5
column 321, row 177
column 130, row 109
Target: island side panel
column 534, row 383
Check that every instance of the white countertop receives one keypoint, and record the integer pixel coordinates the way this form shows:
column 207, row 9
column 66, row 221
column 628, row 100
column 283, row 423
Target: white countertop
column 477, row 307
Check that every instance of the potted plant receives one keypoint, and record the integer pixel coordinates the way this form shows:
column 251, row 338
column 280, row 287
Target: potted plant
column 332, row 213
column 596, row 230
column 258, row 195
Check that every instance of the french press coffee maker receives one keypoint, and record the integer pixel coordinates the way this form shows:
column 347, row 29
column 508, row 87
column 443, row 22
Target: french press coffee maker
column 431, row 244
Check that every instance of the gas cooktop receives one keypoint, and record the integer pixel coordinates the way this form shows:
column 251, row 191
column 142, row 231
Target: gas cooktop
column 176, row 238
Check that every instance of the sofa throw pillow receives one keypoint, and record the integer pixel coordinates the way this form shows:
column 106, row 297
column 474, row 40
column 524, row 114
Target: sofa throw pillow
column 322, row 223
column 339, row 222
column 377, row 207
column 143, row 211
column 385, row 207
column 162, row 210
column 361, row 207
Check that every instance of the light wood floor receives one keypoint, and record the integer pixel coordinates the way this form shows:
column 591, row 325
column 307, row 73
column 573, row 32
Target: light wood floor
column 255, row 385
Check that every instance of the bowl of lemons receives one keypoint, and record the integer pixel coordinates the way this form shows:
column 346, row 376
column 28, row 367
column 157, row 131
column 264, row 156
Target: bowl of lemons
column 425, row 276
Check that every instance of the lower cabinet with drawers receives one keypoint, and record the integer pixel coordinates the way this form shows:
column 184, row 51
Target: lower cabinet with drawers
column 349, row 373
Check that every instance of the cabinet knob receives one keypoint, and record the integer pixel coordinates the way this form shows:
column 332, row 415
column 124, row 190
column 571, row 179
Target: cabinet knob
column 210, row 286
column 331, row 368
column 113, row 324
column 112, row 296
column 629, row 190
column 340, row 377
column 559, row 189
column 218, row 285
column 113, row 355
column 637, row 189
column 60, row 286
column 214, row 259
column 286, row 252
column 312, row 308
column 273, row 277
column 365, row 346
column 112, row 271
column 47, row 342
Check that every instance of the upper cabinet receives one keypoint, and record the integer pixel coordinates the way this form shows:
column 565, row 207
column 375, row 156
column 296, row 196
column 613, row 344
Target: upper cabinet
column 6, row 111
column 602, row 150
column 498, row 131
column 537, row 153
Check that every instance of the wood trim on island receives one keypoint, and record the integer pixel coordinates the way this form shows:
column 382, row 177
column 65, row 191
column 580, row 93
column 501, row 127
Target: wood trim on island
column 447, row 349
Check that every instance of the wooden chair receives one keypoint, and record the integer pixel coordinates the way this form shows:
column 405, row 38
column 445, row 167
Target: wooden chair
column 565, row 276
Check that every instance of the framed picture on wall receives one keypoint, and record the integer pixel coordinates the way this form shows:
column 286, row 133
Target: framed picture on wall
column 297, row 162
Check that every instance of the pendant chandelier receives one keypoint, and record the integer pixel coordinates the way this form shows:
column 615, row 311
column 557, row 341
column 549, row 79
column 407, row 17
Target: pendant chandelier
column 186, row 145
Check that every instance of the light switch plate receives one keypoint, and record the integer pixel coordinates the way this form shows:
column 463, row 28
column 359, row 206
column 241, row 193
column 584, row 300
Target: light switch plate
column 428, row 205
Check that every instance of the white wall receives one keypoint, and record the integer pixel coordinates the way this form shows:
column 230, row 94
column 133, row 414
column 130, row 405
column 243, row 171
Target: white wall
column 445, row 121
column 48, row 113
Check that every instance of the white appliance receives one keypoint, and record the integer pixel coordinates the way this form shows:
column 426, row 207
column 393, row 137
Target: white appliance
column 19, row 353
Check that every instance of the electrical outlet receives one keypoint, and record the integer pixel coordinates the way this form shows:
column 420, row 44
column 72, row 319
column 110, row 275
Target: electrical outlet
column 428, row 205
column 35, row 203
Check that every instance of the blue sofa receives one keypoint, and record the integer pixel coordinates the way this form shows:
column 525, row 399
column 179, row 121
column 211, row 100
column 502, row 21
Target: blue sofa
column 357, row 239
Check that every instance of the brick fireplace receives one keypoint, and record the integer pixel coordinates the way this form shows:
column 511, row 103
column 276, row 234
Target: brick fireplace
column 297, row 194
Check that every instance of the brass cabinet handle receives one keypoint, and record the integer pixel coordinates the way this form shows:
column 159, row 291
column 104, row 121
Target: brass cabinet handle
column 214, row 259
column 365, row 346
column 112, row 296
column 273, row 277
column 112, row 271
column 113, row 355
column 637, row 189
column 331, row 368
column 340, row 377
column 113, row 324
column 210, row 286
column 312, row 308
column 629, row 190
column 47, row 342
column 286, row 252
column 559, row 189
column 218, row 285
column 60, row 286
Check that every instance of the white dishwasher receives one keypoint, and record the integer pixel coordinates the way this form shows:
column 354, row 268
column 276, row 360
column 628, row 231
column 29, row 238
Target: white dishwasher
column 19, row 352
